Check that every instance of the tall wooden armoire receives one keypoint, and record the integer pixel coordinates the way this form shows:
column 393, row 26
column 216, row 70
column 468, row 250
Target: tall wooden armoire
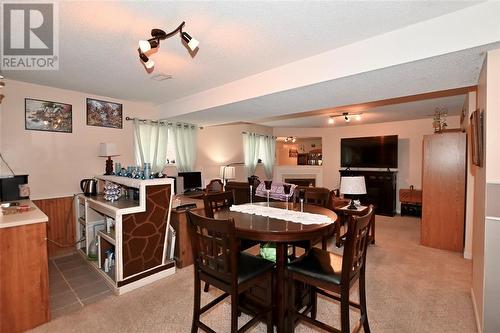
column 444, row 165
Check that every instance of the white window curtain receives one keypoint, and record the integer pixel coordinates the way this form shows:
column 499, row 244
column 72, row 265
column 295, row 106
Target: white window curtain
column 150, row 143
column 185, row 145
column 267, row 152
column 250, row 152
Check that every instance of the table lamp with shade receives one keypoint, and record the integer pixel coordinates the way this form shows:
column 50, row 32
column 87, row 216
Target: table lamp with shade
column 108, row 150
column 227, row 172
column 353, row 185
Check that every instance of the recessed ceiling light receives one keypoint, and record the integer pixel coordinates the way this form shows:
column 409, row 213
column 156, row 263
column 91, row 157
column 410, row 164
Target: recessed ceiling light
column 358, row 117
column 331, row 120
column 161, row 77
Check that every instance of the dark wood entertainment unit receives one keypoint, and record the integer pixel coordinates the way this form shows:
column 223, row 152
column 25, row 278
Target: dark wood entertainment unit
column 380, row 189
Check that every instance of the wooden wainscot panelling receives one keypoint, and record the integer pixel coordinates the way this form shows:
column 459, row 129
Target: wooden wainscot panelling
column 24, row 282
column 61, row 225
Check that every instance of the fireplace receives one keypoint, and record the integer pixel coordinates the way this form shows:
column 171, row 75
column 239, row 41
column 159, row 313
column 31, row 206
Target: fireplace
column 303, row 175
column 308, row 182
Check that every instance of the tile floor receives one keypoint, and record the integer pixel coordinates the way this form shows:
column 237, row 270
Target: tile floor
column 73, row 284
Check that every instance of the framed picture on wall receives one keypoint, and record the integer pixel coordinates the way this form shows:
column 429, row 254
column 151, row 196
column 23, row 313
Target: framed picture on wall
column 104, row 114
column 476, row 136
column 42, row 115
column 293, row 153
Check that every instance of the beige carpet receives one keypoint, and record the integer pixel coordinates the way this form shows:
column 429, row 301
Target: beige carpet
column 410, row 288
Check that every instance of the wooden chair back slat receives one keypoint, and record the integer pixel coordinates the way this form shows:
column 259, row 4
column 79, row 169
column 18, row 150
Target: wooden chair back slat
column 217, row 201
column 215, row 186
column 214, row 246
column 357, row 239
column 314, row 195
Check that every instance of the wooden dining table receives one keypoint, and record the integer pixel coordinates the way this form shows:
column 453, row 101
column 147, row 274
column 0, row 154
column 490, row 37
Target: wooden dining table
column 283, row 233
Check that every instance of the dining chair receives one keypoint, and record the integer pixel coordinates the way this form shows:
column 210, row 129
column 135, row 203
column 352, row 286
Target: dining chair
column 214, row 186
column 319, row 196
column 217, row 201
column 326, row 271
column 313, row 195
column 217, row 261
column 222, row 201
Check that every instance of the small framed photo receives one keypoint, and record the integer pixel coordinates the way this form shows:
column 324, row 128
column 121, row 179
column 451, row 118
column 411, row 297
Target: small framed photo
column 293, row 153
column 104, row 114
column 41, row 115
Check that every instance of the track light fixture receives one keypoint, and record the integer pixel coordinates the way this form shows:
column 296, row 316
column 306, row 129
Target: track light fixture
column 146, row 46
column 346, row 115
column 291, row 139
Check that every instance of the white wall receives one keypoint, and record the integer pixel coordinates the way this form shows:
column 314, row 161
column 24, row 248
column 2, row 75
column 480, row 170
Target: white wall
column 486, row 229
column 492, row 219
column 410, row 135
column 56, row 162
column 221, row 145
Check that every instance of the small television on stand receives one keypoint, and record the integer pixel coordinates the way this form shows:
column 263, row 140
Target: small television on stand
column 192, row 181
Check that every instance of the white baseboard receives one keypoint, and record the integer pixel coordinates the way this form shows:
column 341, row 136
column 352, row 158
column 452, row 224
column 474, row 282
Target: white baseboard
column 474, row 306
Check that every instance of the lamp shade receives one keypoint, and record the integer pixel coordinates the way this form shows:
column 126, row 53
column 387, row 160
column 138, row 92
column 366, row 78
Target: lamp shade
column 227, row 172
column 108, row 149
column 353, row 185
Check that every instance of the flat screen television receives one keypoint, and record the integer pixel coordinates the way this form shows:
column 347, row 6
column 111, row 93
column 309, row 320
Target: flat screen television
column 369, row 152
column 192, row 180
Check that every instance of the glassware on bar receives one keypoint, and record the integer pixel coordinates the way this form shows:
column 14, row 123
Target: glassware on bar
column 251, row 194
column 302, row 195
column 286, row 190
column 267, row 184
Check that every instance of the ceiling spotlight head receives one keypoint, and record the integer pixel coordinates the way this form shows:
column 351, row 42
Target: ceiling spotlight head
column 148, row 63
column 191, row 42
column 147, row 45
column 144, row 46
column 358, row 117
column 1, row 77
column 331, row 120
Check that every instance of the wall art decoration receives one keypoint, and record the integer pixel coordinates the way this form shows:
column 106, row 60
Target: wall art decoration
column 476, row 135
column 104, row 114
column 41, row 115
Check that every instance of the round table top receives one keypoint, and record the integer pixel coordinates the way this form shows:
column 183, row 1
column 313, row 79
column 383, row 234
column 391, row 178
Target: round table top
column 264, row 228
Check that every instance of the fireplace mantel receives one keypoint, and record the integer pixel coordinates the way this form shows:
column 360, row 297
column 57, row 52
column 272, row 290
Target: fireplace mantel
column 299, row 171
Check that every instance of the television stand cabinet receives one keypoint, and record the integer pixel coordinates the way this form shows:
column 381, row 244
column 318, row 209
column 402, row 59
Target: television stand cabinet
column 380, row 190
column 136, row 232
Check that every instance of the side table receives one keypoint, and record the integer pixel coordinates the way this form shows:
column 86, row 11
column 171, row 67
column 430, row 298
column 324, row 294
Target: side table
column 344, row 213
column 183, row 254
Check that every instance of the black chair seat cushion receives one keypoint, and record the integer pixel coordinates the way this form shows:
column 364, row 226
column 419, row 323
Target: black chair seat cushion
column 245, row 244
column 251, row 266
column 319, row 264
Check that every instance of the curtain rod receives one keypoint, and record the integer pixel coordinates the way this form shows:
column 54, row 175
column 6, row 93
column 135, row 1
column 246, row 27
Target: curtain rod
column 258, row 134
column 161, row 122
